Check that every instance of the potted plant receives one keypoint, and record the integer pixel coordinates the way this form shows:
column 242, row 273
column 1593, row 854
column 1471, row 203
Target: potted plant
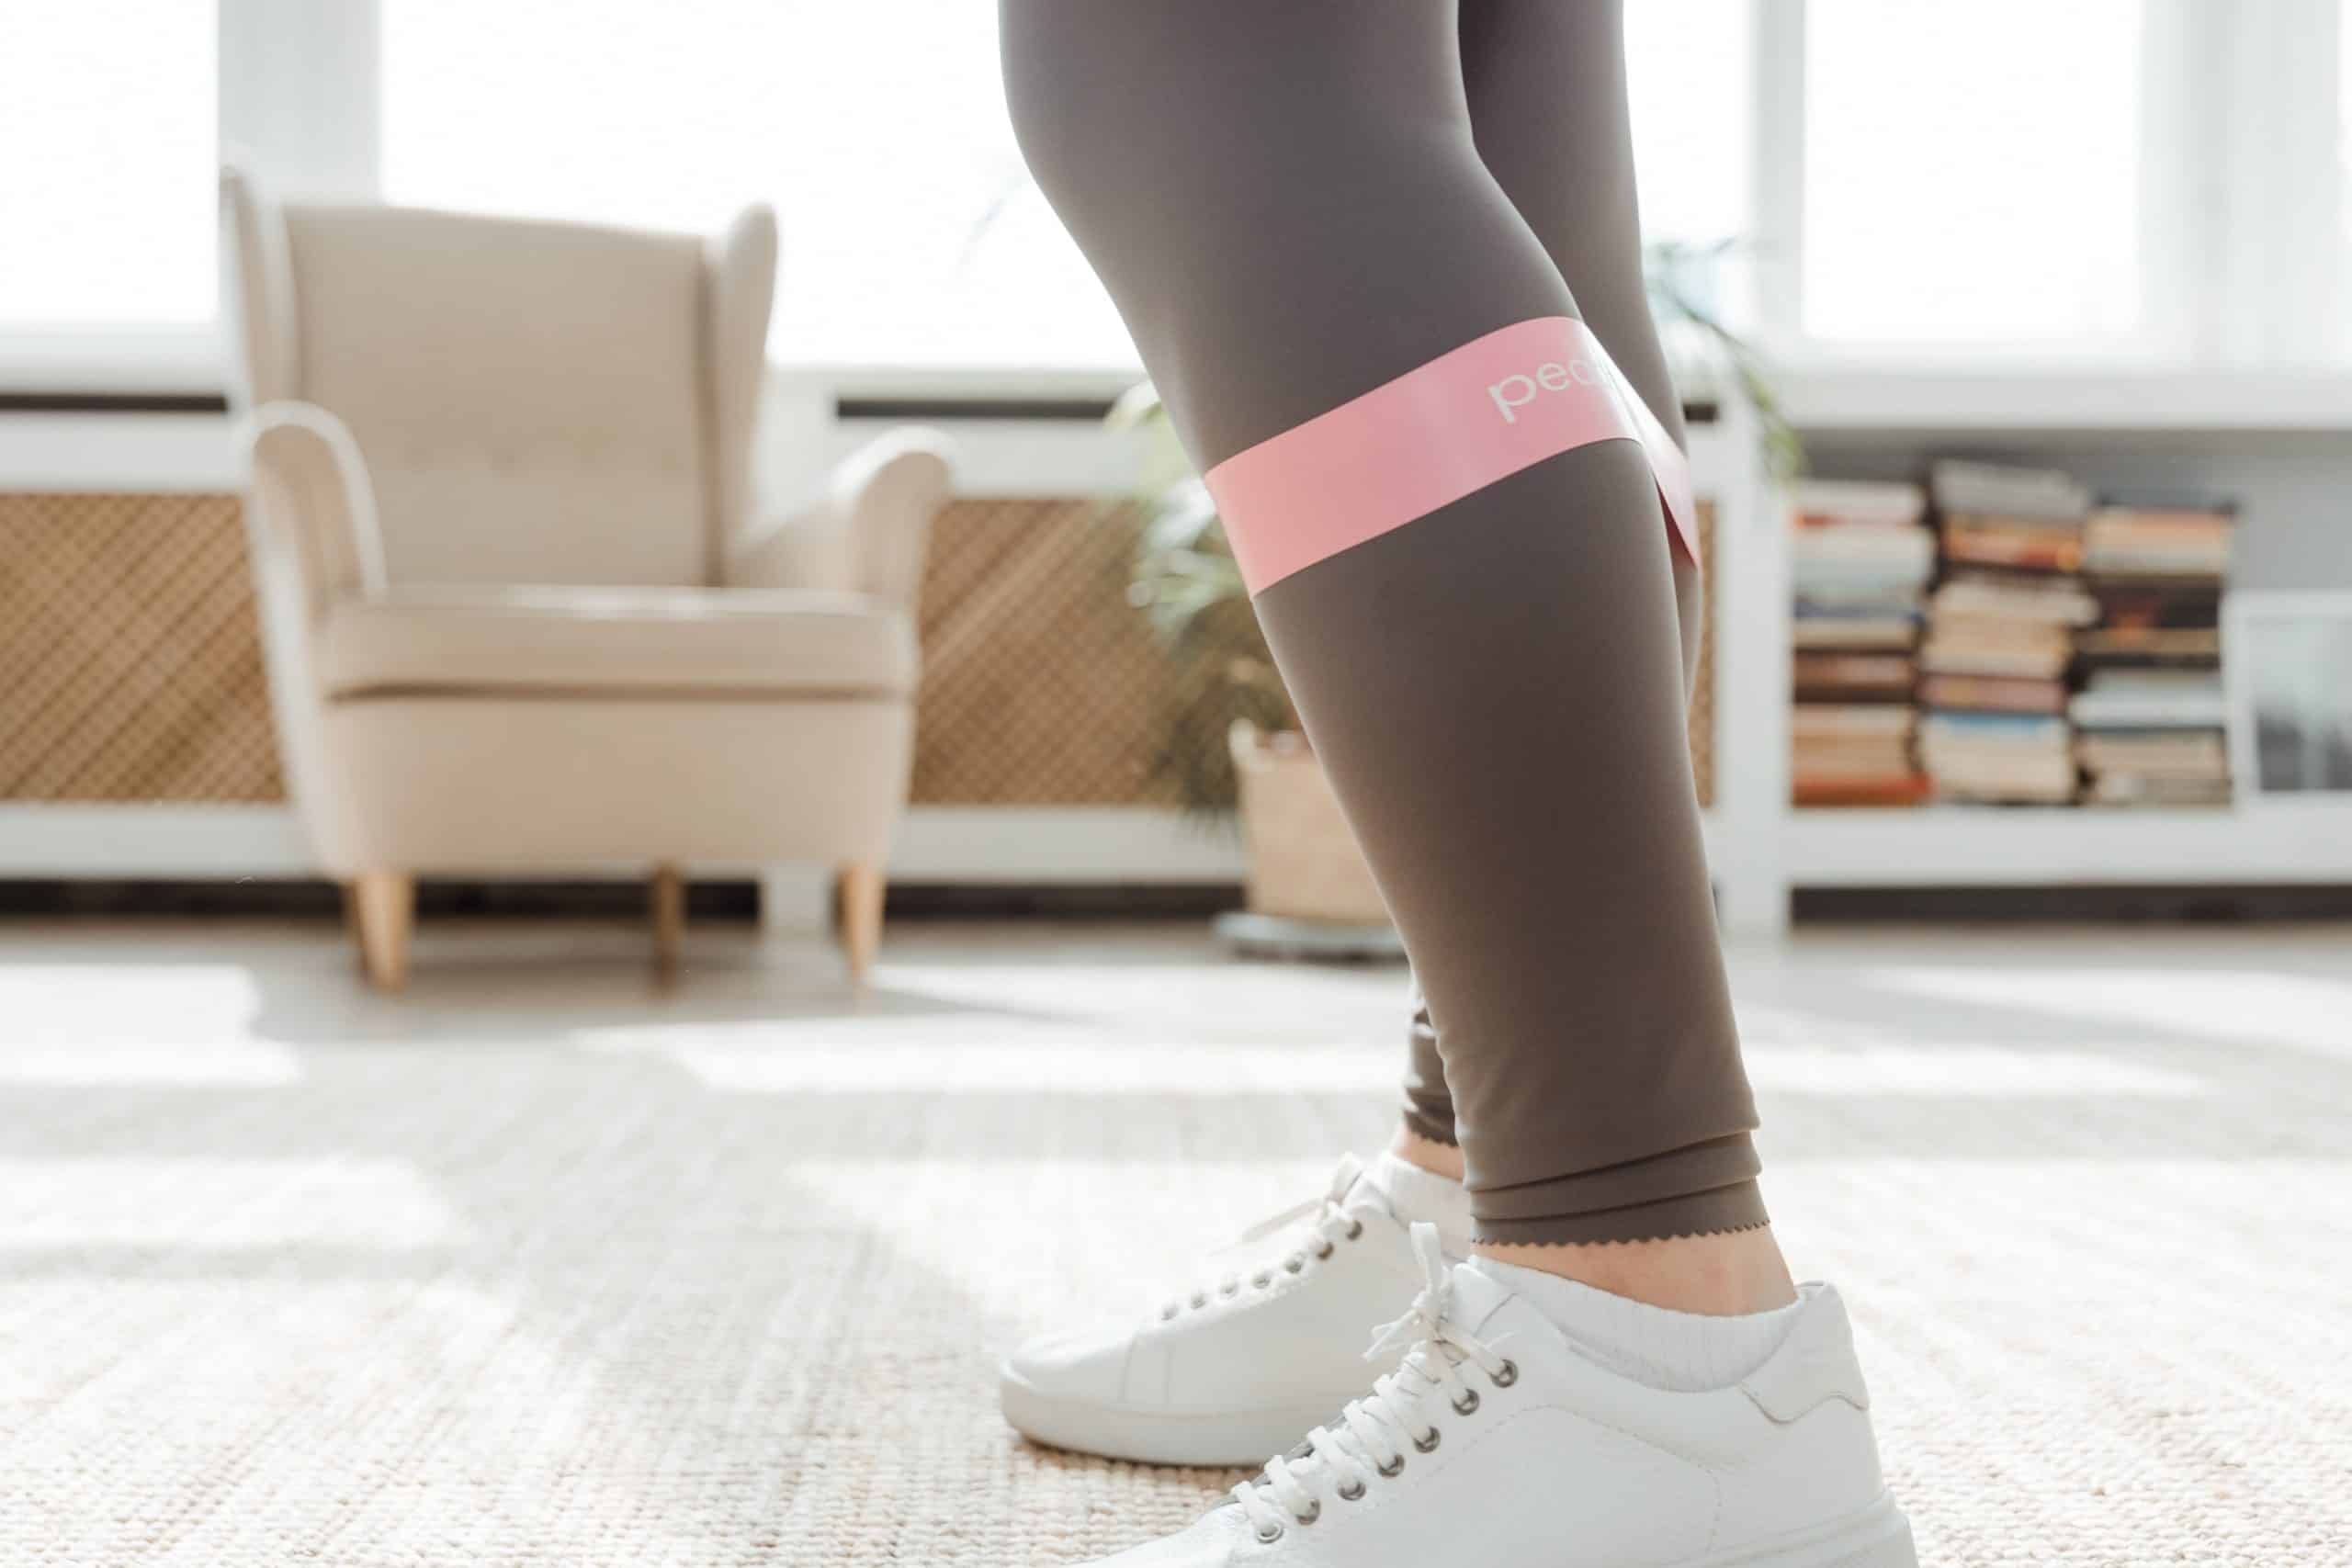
column 1230, row 747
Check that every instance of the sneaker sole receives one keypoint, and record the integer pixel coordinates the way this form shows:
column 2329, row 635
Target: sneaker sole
column 1223, row 1441
column 1877, row 1537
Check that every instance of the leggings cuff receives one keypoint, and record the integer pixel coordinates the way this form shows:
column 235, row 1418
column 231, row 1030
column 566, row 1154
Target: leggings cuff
column 1430, row 1125
column 1699, row 1190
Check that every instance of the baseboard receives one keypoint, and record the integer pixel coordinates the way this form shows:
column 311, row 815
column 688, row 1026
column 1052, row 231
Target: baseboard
column 720, row 900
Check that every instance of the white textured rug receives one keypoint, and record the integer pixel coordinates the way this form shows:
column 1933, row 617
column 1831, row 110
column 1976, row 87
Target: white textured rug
column 535, row 1267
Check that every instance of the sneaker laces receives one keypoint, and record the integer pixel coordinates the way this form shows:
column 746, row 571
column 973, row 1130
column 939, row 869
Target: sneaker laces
column 1370, row 1438
column 1327, row 1223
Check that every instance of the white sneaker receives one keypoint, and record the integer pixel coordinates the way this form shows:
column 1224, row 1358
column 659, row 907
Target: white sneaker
column 1232, row 1370
column 1495, row 1443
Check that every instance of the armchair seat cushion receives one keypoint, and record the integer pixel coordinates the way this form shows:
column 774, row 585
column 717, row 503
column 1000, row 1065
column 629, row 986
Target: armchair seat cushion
column 603, row 642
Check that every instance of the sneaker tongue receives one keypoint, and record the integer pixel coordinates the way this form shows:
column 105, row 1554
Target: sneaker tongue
column 1477, row 1297
column 1365, row 1193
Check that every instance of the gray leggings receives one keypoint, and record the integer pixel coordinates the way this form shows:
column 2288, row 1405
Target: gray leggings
column 1293, row 202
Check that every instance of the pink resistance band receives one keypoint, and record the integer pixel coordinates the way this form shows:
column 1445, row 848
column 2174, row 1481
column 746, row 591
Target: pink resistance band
column 1466, row 419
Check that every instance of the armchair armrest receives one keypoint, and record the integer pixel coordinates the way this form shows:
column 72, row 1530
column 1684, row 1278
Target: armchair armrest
column 867, row 534
column 313, row 508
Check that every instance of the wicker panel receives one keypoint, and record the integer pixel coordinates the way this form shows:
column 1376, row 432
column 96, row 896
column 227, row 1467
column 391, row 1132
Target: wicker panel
column 130, row 665
column 130, row 662
column 1040, row 684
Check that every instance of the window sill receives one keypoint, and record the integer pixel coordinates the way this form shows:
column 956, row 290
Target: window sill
column 2022, row 398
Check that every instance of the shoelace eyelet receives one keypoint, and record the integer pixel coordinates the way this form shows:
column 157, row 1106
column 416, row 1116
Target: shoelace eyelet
column 1356, row 1229
column 1201, row 1299
column 1508, row 1374
column 1350, row 1491
column 1294, row 1265
column 1268, row 1534
column 1169, row 1312
column 1230, row 1288
column 1393, row 1470
column 1262, row 1280
column 1427, row 1444
column 1324, row 1251
column 1468, row 1403
column 1313, row 1512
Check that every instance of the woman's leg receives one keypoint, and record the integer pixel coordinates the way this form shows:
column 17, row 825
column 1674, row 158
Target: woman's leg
column 1459, row 558
column 1547, row 88
column 1288, row 204
column 1427, row 1138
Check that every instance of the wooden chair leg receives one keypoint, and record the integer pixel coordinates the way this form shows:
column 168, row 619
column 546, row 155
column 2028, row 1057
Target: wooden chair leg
column 351, row 925
column 862, row 889
column 384, row 905
column 668, row 898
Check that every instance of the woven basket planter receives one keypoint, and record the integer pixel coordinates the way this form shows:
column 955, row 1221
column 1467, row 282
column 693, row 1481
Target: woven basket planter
column 1304, row 863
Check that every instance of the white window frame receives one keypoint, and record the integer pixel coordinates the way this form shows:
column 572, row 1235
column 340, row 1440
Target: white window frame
column 2242, row 250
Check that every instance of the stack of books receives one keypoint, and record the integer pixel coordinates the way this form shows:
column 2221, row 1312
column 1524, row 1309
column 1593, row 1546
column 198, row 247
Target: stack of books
column 2149, row 720
column 1862, row 556
column 2000, row 634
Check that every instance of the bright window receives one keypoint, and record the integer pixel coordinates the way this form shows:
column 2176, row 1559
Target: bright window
column 1688, row 69
column 911, row 234
column 2344, row 125
column 1973, row 172
column 106, row 189
column 2011, row 175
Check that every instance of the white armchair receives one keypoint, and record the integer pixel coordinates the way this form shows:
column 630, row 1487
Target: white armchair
column 521, row 609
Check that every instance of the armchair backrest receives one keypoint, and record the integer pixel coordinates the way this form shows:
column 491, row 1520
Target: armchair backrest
column 533, row 403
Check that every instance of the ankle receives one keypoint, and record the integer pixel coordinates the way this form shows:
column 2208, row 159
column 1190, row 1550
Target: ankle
column 1438, row 1159
column 1725, row 1275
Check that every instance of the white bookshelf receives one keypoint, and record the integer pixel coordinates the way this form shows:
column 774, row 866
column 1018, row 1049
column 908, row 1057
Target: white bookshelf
column 2251, row 429
column 1965, row 400
column 1959, row 846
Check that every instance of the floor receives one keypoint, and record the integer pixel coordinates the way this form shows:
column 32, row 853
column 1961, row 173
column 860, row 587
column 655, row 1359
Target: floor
column 540, row 1264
